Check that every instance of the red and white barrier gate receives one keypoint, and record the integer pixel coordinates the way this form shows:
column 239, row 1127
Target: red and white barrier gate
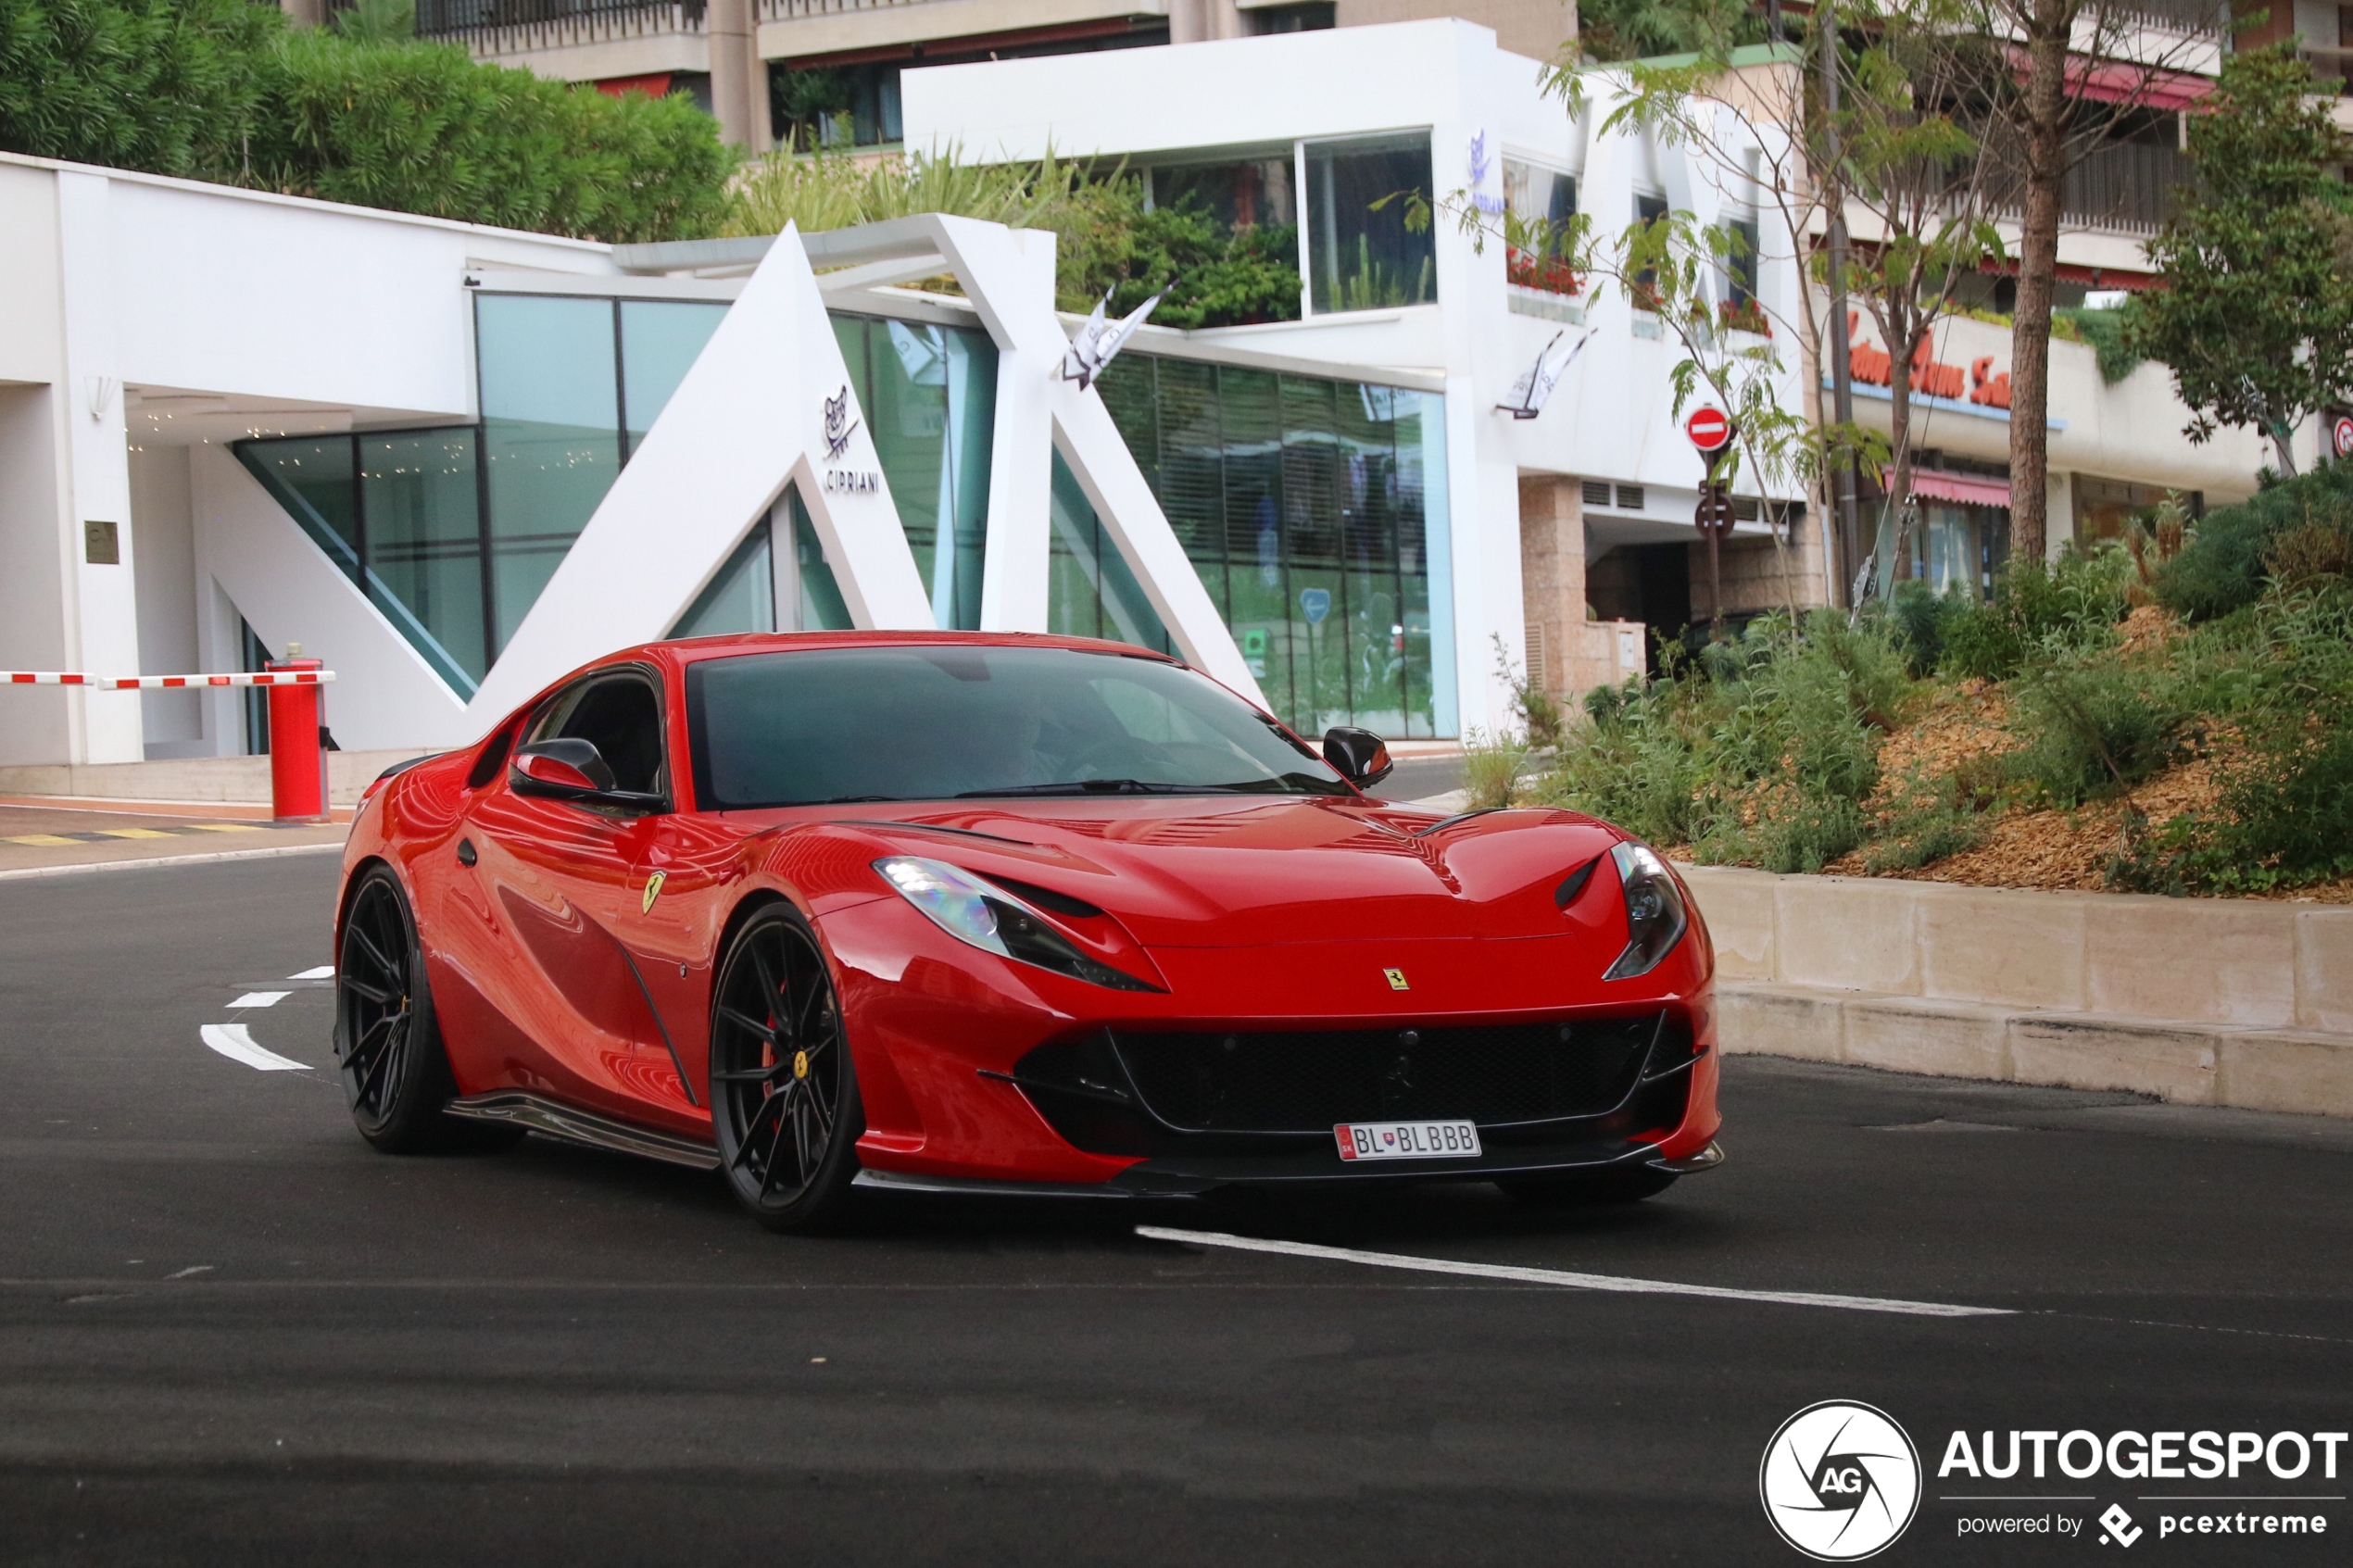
column 297, row 741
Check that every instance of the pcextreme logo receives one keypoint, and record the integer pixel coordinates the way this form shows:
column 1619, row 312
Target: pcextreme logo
column 1841, row 1481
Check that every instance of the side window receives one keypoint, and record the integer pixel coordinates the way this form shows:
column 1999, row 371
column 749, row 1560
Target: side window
column 619, row 715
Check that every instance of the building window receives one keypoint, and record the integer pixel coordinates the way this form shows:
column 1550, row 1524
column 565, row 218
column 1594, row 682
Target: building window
column 1090, row 590
column 929, row 395
column 1264, row 19
column 1544, row 199
column 1359, row 259
column 562, row 402
column 746, row 592
column 1311, row 509
column 1647, row 210
column 1244, row 194
column 397, row 514
column 835, row 105
column 1740, row 267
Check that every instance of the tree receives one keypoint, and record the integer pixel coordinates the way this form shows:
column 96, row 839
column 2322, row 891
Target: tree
column 2255, row 317
column 1896, row 158
column 2062, row 80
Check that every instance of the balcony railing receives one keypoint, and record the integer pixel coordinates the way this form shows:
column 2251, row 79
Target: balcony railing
column 800, row 10
column 2127, row 186
column 506, row 27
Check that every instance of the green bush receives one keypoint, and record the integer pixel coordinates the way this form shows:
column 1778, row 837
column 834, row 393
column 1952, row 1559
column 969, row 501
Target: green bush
column 2284, row 817
column 2073, row 604
column 2092, row 726
column 2224, row 567
column 1760, row 751
column 1917, row 839
column 167, row 86
column 422, row 128
column 1924, row 621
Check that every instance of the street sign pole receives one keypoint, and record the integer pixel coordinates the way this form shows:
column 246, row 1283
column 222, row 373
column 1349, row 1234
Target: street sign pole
column 1712, row 431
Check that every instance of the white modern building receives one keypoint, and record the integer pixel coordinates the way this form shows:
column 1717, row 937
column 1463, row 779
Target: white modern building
column 454, row 462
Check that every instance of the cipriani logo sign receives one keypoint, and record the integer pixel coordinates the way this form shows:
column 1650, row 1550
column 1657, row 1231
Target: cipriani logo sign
column 839, row 428
column 1841, row 1481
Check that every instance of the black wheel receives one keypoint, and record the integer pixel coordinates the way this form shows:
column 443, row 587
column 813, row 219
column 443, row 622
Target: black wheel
column 386, row 1042
column 783, row 1099
column 1589, row 1188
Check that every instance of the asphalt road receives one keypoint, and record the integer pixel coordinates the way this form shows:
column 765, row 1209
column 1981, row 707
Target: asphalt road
column 230, row 1334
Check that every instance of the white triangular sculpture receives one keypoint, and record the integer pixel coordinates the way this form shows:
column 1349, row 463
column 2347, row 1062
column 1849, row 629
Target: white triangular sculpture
column 767, row 404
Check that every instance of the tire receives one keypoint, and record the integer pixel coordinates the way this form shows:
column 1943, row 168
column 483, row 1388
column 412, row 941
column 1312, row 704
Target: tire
column 783, row 1092
column 387, row 1044
column 1581, row 1189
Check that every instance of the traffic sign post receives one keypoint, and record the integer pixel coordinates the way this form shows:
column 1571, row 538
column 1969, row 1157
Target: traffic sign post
column 1711, row 429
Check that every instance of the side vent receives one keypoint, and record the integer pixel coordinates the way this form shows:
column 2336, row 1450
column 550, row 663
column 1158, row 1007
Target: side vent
column 1629, row 497
column 1597, row 492
column 1540, row 667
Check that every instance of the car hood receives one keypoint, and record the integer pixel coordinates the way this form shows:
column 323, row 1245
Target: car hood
column 1225, row 872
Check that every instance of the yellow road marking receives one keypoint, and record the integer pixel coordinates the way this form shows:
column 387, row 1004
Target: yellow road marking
column 225, row 827
column 133, row 833
column 41, row 838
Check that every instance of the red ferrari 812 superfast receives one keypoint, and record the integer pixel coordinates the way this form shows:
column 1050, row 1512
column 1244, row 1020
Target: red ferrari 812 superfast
column 955, row 912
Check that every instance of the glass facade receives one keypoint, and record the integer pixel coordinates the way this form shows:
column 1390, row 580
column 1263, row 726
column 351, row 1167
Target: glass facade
column 1312, row 509
column 567, row 383
column 744, row 594
column 397, row 512
column 1089, row 590
column 929, row 395
column 452, row 532
column 1315, row 511
column 1359, row 259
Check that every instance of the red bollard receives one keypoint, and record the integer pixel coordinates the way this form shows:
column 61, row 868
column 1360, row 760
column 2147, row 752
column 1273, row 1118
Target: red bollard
column 297, row 748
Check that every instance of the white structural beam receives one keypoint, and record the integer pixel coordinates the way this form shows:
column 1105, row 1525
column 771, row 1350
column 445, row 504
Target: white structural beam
column 748, row 419
column 289, row 592
column 1009, row 275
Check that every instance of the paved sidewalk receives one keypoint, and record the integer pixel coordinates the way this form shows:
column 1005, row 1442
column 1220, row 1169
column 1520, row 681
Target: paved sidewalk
column 52, row 834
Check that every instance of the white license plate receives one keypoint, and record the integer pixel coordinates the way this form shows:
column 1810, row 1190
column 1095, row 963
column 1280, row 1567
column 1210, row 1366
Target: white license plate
column 1408, row 1140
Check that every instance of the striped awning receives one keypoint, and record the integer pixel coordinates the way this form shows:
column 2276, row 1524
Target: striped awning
column 1969, row 489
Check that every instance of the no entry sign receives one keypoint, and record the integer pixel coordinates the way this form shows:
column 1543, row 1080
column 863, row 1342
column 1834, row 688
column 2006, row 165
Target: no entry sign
column 1710, row 431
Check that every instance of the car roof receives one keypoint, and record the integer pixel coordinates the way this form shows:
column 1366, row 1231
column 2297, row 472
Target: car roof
column 690, row 650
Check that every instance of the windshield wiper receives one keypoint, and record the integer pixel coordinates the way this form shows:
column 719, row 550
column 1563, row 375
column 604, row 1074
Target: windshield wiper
column 1103, row 786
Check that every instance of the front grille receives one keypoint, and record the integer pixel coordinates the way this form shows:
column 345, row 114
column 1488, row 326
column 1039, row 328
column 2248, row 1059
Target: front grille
column 1303, row 1081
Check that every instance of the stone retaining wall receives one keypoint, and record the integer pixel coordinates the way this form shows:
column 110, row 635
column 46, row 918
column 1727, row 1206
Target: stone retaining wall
column 2210, row 1001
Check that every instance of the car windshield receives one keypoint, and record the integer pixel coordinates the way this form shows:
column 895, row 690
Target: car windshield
column 943, row 721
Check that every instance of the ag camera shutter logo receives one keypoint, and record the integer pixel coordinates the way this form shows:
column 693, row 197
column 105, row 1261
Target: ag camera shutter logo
column 1841, row 1481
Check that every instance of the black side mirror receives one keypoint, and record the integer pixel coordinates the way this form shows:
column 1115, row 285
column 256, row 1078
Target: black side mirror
column 1358, row 756
column 574, row 771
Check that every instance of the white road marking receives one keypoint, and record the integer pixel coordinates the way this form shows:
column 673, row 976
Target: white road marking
column 198, row 1268
column 1618, row 1283
column 259, row 999
column 324, row 971
column 231, row 1041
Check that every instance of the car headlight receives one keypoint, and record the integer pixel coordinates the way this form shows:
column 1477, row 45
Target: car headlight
column 994, row 921
column 1655, row 919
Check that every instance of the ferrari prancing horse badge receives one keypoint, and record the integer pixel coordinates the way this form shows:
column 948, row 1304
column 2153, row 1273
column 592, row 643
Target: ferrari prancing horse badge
column 1396, row 979
column 653, row 891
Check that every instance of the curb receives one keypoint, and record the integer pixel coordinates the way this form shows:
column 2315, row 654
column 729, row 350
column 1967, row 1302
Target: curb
column 2247, row 1068
column 212, row 858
